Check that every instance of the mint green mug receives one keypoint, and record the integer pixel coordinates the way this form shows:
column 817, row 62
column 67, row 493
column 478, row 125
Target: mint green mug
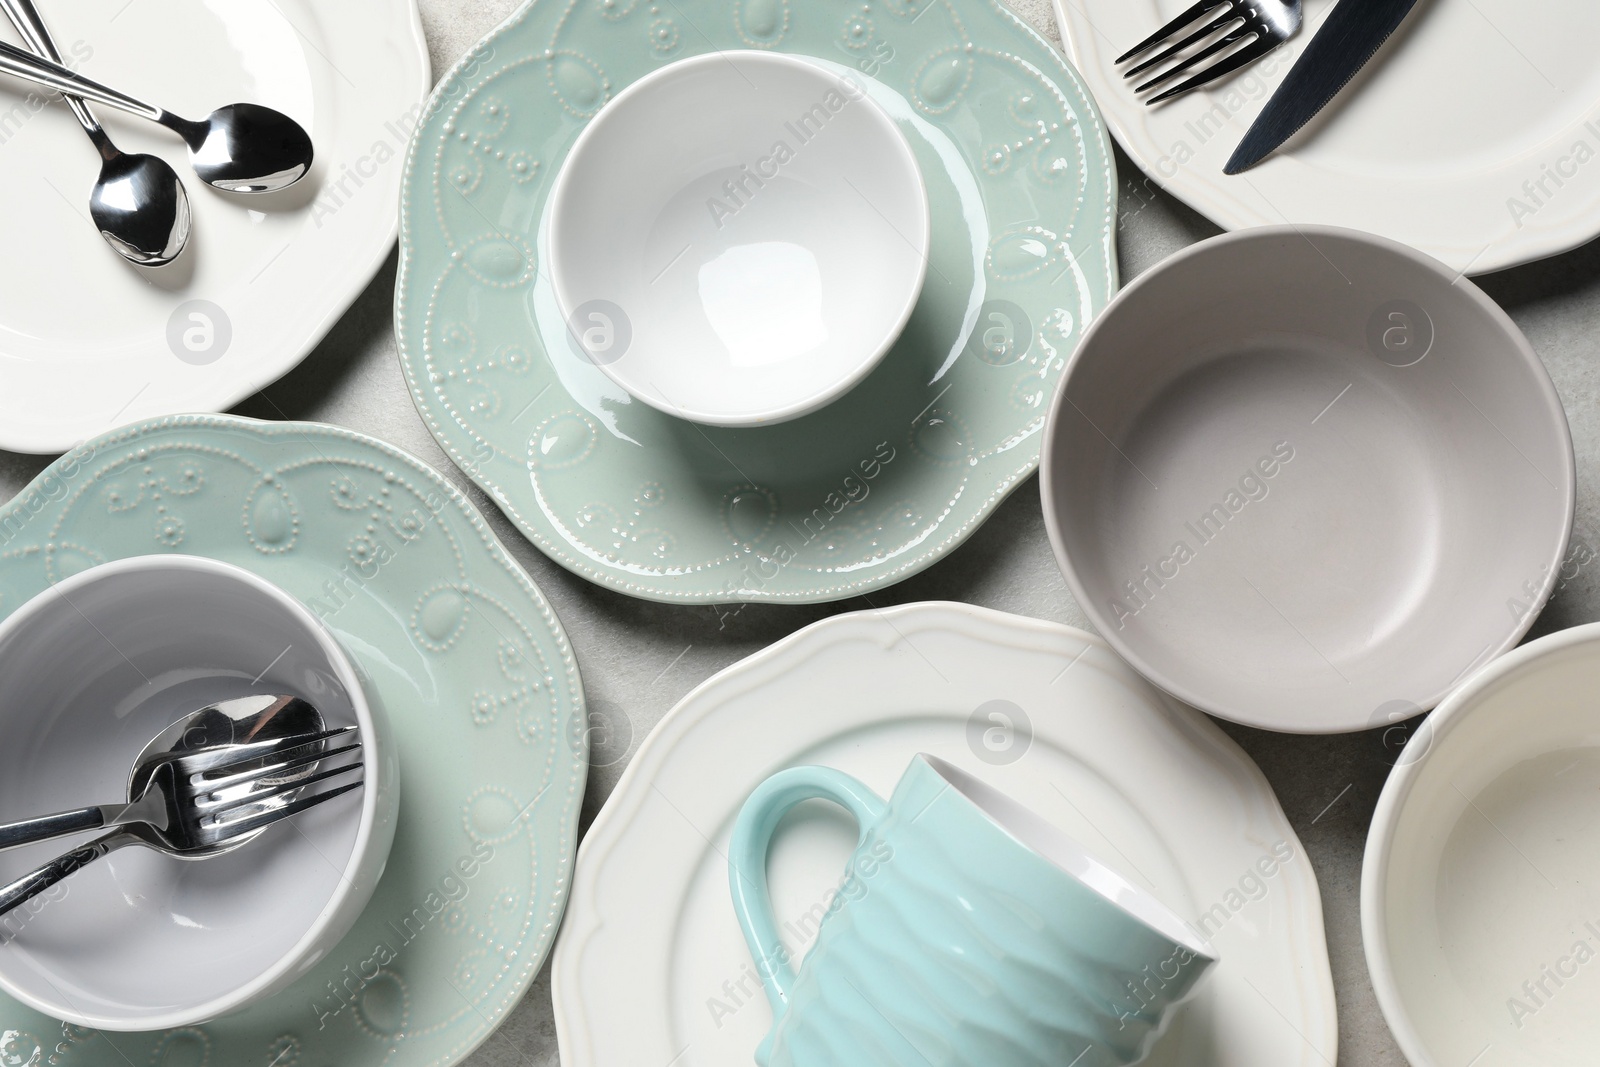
column 967, row 931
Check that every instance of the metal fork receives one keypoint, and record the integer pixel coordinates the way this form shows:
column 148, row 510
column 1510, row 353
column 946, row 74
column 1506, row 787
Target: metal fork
column 224, row 803
column 222, row 796
column 154, row 796
column 1252, row 28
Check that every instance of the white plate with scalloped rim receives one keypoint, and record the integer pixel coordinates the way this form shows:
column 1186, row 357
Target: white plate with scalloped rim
column 1461, row 138
column 651, row 967
column 89, row 342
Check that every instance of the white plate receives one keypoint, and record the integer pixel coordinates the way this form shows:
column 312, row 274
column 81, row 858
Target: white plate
column 88, row 342
column 651, row 969
column 1431, row 145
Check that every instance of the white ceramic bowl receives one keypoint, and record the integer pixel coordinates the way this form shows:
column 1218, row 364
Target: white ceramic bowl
column 739, row 237
column 90, row 671
column 1480, row 893
column 1307, row 478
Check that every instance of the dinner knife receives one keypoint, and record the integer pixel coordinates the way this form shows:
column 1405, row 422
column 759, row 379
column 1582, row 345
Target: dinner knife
column 1348, row 38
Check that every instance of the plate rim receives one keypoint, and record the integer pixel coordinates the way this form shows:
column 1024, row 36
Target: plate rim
column 954, row 617
column 618, row 580
column 561, row 878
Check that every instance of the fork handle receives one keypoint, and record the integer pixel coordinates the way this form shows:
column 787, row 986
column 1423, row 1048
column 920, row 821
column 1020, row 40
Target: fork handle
column 37, row 881
column 43, row 828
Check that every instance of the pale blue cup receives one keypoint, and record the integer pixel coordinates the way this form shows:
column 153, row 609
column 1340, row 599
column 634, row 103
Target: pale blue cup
column 967, row 931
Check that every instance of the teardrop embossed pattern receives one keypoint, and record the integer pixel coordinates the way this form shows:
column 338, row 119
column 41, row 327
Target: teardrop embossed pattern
column 860, row 494
column 455, row 641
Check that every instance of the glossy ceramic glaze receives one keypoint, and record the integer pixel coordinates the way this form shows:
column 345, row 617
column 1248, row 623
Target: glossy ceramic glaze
column 90, row 670
column 652, row 967
column 1069, row 962
column 871, row 488
column 89, row 341
column 470, row 664
column 738, row 237
column 1306, row 479
column 1478, row 908
column 1471, row 135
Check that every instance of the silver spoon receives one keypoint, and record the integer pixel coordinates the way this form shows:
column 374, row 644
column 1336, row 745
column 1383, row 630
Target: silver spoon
column 218, row 728
column 242, row 148
column 139, row 205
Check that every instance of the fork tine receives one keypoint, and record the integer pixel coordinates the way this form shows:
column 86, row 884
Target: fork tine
column 1172, row 27
column 1221, row 44
column 240, row 827
column 229, row 758
column 274, row 770
column 1222, row 21
column 217, row 807
column 1249, row 54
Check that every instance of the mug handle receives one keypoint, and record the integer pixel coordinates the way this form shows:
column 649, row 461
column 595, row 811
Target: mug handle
column 747, row 866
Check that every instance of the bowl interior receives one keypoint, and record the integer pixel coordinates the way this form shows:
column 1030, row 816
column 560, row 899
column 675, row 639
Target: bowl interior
column 739, row 236
column 1297, row 479
column 1490, row 913
column 89, row 673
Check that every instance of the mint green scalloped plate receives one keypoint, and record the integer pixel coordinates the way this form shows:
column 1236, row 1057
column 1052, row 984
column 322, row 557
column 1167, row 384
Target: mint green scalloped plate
column 468, row 660
column 870, row 489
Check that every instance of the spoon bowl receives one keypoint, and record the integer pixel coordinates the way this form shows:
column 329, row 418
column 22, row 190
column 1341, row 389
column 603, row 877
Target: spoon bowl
column 141, row 208
column 138, row 205
column 247, row 148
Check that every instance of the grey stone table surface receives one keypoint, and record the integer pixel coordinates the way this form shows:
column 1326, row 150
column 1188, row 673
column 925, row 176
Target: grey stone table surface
column 638, row 659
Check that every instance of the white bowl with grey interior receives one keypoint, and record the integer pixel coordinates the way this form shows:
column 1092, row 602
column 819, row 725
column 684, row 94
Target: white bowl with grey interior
column 91, row 669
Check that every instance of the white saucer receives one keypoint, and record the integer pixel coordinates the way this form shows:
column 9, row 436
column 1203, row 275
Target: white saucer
column 89, row 342
column 651, row 969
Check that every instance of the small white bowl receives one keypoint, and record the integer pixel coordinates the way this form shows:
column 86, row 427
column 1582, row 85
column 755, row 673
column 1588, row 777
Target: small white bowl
column 1480, row 892
column 739, row 237
column 91, row 670
column 1306, row 478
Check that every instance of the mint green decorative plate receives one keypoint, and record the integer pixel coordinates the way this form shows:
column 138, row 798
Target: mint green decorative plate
column 468, row 660
column 870, row 489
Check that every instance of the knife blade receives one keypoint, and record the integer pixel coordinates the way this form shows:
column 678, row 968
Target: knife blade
column 1349, row 37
